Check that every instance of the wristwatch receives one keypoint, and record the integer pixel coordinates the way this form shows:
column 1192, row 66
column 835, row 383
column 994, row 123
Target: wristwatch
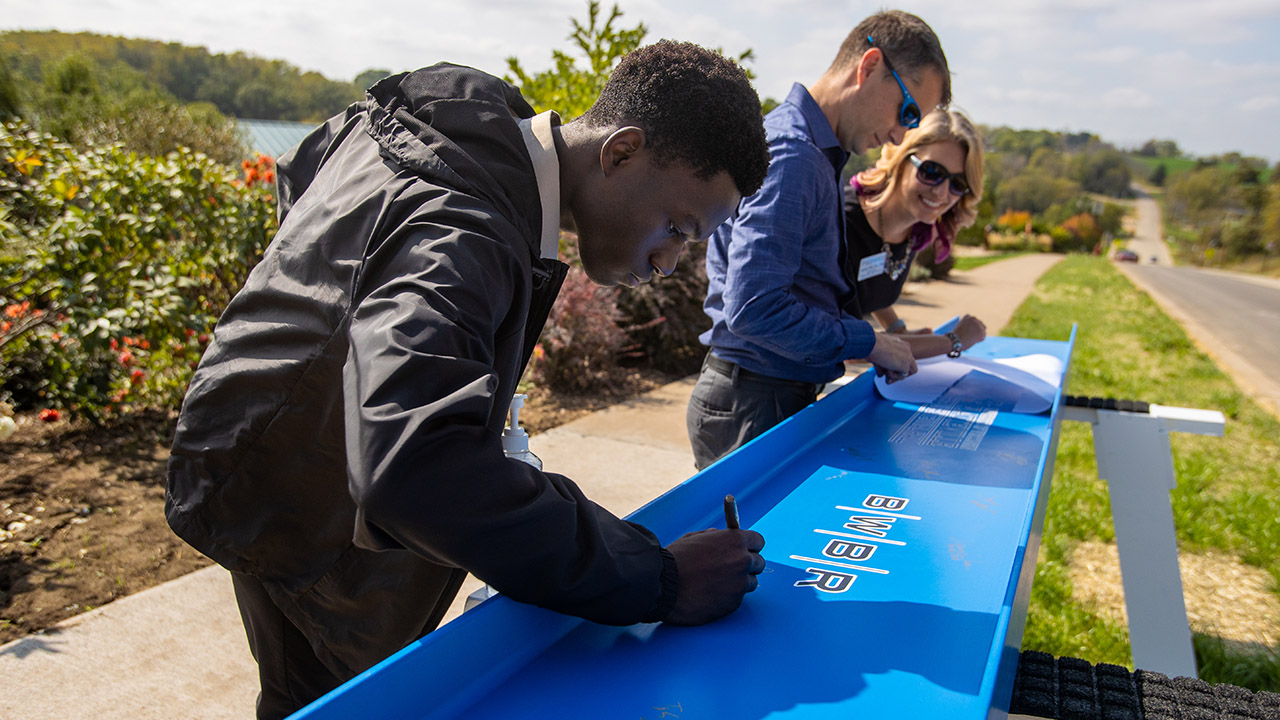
column 956, row 346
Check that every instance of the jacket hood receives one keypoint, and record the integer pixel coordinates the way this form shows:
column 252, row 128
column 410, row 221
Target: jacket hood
column 460, row 124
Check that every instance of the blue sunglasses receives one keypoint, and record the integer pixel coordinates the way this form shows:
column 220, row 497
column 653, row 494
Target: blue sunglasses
column 909, row 113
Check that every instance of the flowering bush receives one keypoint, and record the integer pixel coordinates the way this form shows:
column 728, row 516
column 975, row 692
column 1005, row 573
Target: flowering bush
column 580, row 344
column 1080, row 233
column 113, row 265
column 663, row 318
column 1015, row 221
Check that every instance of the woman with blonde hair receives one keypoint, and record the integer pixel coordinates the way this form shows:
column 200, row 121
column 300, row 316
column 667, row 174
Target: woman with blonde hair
column 919, row 193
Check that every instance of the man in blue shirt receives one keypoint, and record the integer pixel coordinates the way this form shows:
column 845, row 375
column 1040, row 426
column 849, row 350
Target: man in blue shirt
column 776, row 269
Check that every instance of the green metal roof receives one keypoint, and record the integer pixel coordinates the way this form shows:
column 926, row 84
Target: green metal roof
column 273, row 137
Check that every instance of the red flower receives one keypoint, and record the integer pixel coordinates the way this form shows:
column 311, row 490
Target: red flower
column 114, row 345
column 126, row 357
column 190, row 332
column 136, row 376
column 203, row 338
column 50, row 415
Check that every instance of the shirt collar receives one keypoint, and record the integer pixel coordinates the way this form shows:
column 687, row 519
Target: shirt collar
column 824, row 136
column 541, row 145
column 819, row 127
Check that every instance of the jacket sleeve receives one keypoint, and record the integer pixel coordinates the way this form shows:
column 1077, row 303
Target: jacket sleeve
column 765, row 253
column 427, row 471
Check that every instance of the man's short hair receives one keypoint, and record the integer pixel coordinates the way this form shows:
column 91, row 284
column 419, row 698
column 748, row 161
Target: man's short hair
column 909, row 42
column 694, row 105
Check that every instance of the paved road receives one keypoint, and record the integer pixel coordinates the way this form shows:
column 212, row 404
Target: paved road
column 1235, row 317
column 1232, row 316
column 1148, row 241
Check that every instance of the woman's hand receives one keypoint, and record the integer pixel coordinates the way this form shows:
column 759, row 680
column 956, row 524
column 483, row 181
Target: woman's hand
column 971, row 331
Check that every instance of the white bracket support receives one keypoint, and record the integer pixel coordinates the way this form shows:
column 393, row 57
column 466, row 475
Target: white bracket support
column 1135, row 458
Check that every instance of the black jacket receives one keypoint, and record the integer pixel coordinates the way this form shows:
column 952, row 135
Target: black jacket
column 340, row 439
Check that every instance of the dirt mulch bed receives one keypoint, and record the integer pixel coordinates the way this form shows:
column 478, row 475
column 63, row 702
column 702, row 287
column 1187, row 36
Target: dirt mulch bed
column 82, row 507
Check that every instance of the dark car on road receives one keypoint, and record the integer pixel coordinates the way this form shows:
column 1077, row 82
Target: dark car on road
column 1126, row 256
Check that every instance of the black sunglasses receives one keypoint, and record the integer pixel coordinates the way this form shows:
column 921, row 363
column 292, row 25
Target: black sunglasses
column 909, row 113
column 933, row 174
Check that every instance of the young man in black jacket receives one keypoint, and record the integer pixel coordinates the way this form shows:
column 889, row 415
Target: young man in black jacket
column 338, row 449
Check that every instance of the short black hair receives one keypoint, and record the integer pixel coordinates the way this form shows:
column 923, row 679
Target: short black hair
column 908, row 41
column 694, row 105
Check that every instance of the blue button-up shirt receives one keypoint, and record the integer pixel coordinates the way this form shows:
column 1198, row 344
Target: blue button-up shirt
column 775, row 270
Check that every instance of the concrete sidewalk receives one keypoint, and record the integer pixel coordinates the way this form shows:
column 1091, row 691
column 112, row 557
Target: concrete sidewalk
column 178, row 650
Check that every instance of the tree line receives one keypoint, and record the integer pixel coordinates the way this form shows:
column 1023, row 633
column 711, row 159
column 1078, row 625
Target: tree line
column 237, row 84
column 153, row 97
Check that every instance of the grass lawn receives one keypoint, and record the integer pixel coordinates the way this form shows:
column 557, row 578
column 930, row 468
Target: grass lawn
column 1227, row 503
column 969, row 262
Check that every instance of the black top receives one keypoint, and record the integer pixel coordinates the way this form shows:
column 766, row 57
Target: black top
column 881, row 291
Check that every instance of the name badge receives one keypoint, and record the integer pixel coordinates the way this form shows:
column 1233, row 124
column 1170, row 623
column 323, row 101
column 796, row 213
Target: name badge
column 872, row 265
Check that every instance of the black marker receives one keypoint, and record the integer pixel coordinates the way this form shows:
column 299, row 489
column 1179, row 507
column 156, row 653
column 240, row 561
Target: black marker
column 731, row 513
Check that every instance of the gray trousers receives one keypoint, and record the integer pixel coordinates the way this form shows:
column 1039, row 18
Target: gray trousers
column 730, row 407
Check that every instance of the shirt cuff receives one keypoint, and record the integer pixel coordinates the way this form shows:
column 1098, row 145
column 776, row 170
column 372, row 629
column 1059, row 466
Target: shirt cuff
column 860, row 338
column 670, row 579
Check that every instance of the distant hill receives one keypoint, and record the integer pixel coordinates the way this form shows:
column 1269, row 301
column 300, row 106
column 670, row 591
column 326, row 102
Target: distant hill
column 237, row 84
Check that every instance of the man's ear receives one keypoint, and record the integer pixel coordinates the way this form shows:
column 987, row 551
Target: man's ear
column 866, row 64
column 620, row 148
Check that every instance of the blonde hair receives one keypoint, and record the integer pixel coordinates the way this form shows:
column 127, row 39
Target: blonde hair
column 877, row 183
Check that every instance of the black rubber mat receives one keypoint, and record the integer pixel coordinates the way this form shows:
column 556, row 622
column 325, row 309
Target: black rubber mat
column 1074, row 689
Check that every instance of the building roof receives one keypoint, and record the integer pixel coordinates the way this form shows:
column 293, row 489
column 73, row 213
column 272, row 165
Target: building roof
column 273, row 137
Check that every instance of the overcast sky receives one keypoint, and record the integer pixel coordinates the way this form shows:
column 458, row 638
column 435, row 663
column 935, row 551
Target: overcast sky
column 1203, row 73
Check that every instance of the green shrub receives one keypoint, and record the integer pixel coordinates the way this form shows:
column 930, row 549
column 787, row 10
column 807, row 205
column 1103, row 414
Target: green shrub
column 113, row 266
column 664, row 318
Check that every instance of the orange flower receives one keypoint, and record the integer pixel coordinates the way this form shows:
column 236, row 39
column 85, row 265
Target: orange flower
column 50, row 415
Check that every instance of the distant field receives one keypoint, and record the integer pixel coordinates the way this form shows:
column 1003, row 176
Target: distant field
column 1174, row 166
